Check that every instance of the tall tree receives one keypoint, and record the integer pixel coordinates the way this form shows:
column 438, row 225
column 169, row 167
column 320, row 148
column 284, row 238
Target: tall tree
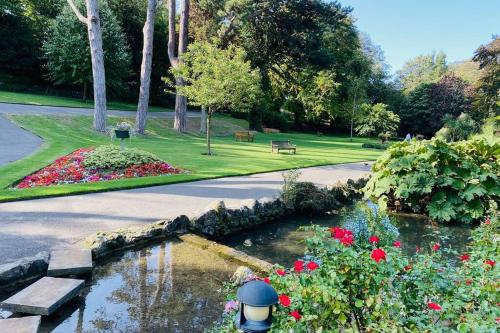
column 422, row 69
column 147, row 60
column 180, row 117
column 217, row 79
column 488, row 92
column 93, row 23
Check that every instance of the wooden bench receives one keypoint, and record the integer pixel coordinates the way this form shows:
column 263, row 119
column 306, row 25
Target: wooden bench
column 269, row 130
column 243, row 135
column 282, row 145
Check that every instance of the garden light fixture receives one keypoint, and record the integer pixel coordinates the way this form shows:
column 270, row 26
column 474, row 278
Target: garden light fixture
column 256, row 306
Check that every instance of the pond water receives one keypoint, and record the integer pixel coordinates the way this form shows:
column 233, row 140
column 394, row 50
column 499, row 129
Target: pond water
column 171, row 287
column 282, row 242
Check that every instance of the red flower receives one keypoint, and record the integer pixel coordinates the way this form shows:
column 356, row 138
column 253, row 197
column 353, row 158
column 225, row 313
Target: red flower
column 312, row 266
column 374, row 239
column 298, row 266
column 464, row 257
column 266, row 280
column 497, row 320
column 280, row 272
column 377, row 255
column 436, row 246
column 490, row 262
column 434, row 306
column 397, row 243
column 337, row 232
column 295, row 314
column 285, row 300
column 468, row 282
column 487, row 221
column 347, row 240
column 407, row 268
column 418, row 249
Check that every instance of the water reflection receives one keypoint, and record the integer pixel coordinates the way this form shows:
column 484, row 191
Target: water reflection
column 282, row 243
column 170, row 287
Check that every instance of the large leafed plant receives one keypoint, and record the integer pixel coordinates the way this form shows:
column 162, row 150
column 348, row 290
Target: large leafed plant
column 448, row 181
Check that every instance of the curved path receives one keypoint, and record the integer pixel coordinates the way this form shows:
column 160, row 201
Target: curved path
column 16, row 143
column 27, row 227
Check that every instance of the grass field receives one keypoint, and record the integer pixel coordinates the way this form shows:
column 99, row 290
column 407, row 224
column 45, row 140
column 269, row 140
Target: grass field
column 62, row 135
column 33, row 99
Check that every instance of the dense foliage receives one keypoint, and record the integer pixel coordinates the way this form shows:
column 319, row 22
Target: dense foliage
column 448, row 181
column 377, row 120
column 112, row 157
column 360, row 280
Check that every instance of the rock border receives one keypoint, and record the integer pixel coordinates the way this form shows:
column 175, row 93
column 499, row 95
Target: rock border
column 215, row 222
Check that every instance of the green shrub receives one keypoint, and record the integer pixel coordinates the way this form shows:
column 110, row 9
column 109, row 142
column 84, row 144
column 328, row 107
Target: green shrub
column 375, row 145
column 448, row 181
column 111, row 157
column 359, row 283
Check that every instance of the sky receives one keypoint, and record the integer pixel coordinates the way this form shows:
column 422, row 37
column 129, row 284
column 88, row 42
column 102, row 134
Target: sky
column 408, row 28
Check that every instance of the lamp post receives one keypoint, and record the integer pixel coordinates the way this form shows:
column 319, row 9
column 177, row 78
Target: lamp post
column 256, row 306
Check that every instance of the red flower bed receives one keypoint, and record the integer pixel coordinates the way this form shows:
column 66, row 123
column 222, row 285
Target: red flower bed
column 70, row 169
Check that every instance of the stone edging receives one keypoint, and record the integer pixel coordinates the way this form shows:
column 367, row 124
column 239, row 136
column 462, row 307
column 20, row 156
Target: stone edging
column 215, row 222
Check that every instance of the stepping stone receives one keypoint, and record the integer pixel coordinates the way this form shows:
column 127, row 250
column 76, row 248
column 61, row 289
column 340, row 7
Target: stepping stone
column 70, row 262
column 44, row 296
column 29, row 324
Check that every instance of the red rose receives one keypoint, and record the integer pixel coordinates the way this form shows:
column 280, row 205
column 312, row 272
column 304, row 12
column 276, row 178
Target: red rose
column 285, row 300
column 436, row 246
column 464, row 257
column 312, row 266
column 374, row 239
column 490, row 262
column 267, row 280
column 295, row 314
column 377, row 255
column 298, row 266
column 397, row 243
column 434, row 306
column 280, row 272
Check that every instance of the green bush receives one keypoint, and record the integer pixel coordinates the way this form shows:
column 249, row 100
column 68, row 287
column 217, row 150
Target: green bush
column 111, row 157
column 356, row 282
column 375, row 145
column 448, row 181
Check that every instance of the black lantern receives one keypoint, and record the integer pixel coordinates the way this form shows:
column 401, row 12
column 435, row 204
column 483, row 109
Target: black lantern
column 256, row 306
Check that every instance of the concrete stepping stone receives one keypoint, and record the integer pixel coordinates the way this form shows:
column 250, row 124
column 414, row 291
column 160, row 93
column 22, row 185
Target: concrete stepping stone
column 44, row 296
column 70, row 262
column 29, row 324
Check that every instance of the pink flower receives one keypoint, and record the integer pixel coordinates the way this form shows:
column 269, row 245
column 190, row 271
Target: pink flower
column 487, row 221
column 434, row 306
column 436, row 247
column 230, row 306
column 377, row 255
column 397, row 243
column 281, row 272
column 374, row 239
column 295, row 314
column 312, row 266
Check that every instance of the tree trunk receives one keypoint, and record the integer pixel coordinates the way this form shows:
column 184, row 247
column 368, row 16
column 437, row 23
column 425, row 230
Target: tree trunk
column 203, row 121
column 353, row 111
column 147, row 60
column 209, row 120
column 97, row 56
column 180, row 115
column 93, row 24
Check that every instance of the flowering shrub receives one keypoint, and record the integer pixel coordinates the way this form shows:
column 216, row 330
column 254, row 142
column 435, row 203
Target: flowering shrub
column 73, row 168
column 367, row 284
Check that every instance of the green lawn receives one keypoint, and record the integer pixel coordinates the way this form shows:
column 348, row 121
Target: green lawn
column 33, row 99
column 62, row 135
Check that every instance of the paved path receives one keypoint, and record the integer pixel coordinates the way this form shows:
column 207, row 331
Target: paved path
column 27, row 227
column 6, row 108
column 16, row 143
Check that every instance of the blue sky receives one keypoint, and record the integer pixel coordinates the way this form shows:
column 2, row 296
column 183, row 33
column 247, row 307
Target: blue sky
column 407, row 28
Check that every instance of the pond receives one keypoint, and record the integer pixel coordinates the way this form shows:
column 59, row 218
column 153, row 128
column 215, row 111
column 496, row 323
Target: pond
column 282, row 243
column 171, row 287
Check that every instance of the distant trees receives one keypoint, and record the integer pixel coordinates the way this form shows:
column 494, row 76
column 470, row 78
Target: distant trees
column 487, row 101
column 218, row 79
column 377, row 120
column 422, row 69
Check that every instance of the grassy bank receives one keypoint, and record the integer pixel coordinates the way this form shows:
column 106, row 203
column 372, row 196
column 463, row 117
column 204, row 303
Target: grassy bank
column 62, row 135
column 34, row 99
